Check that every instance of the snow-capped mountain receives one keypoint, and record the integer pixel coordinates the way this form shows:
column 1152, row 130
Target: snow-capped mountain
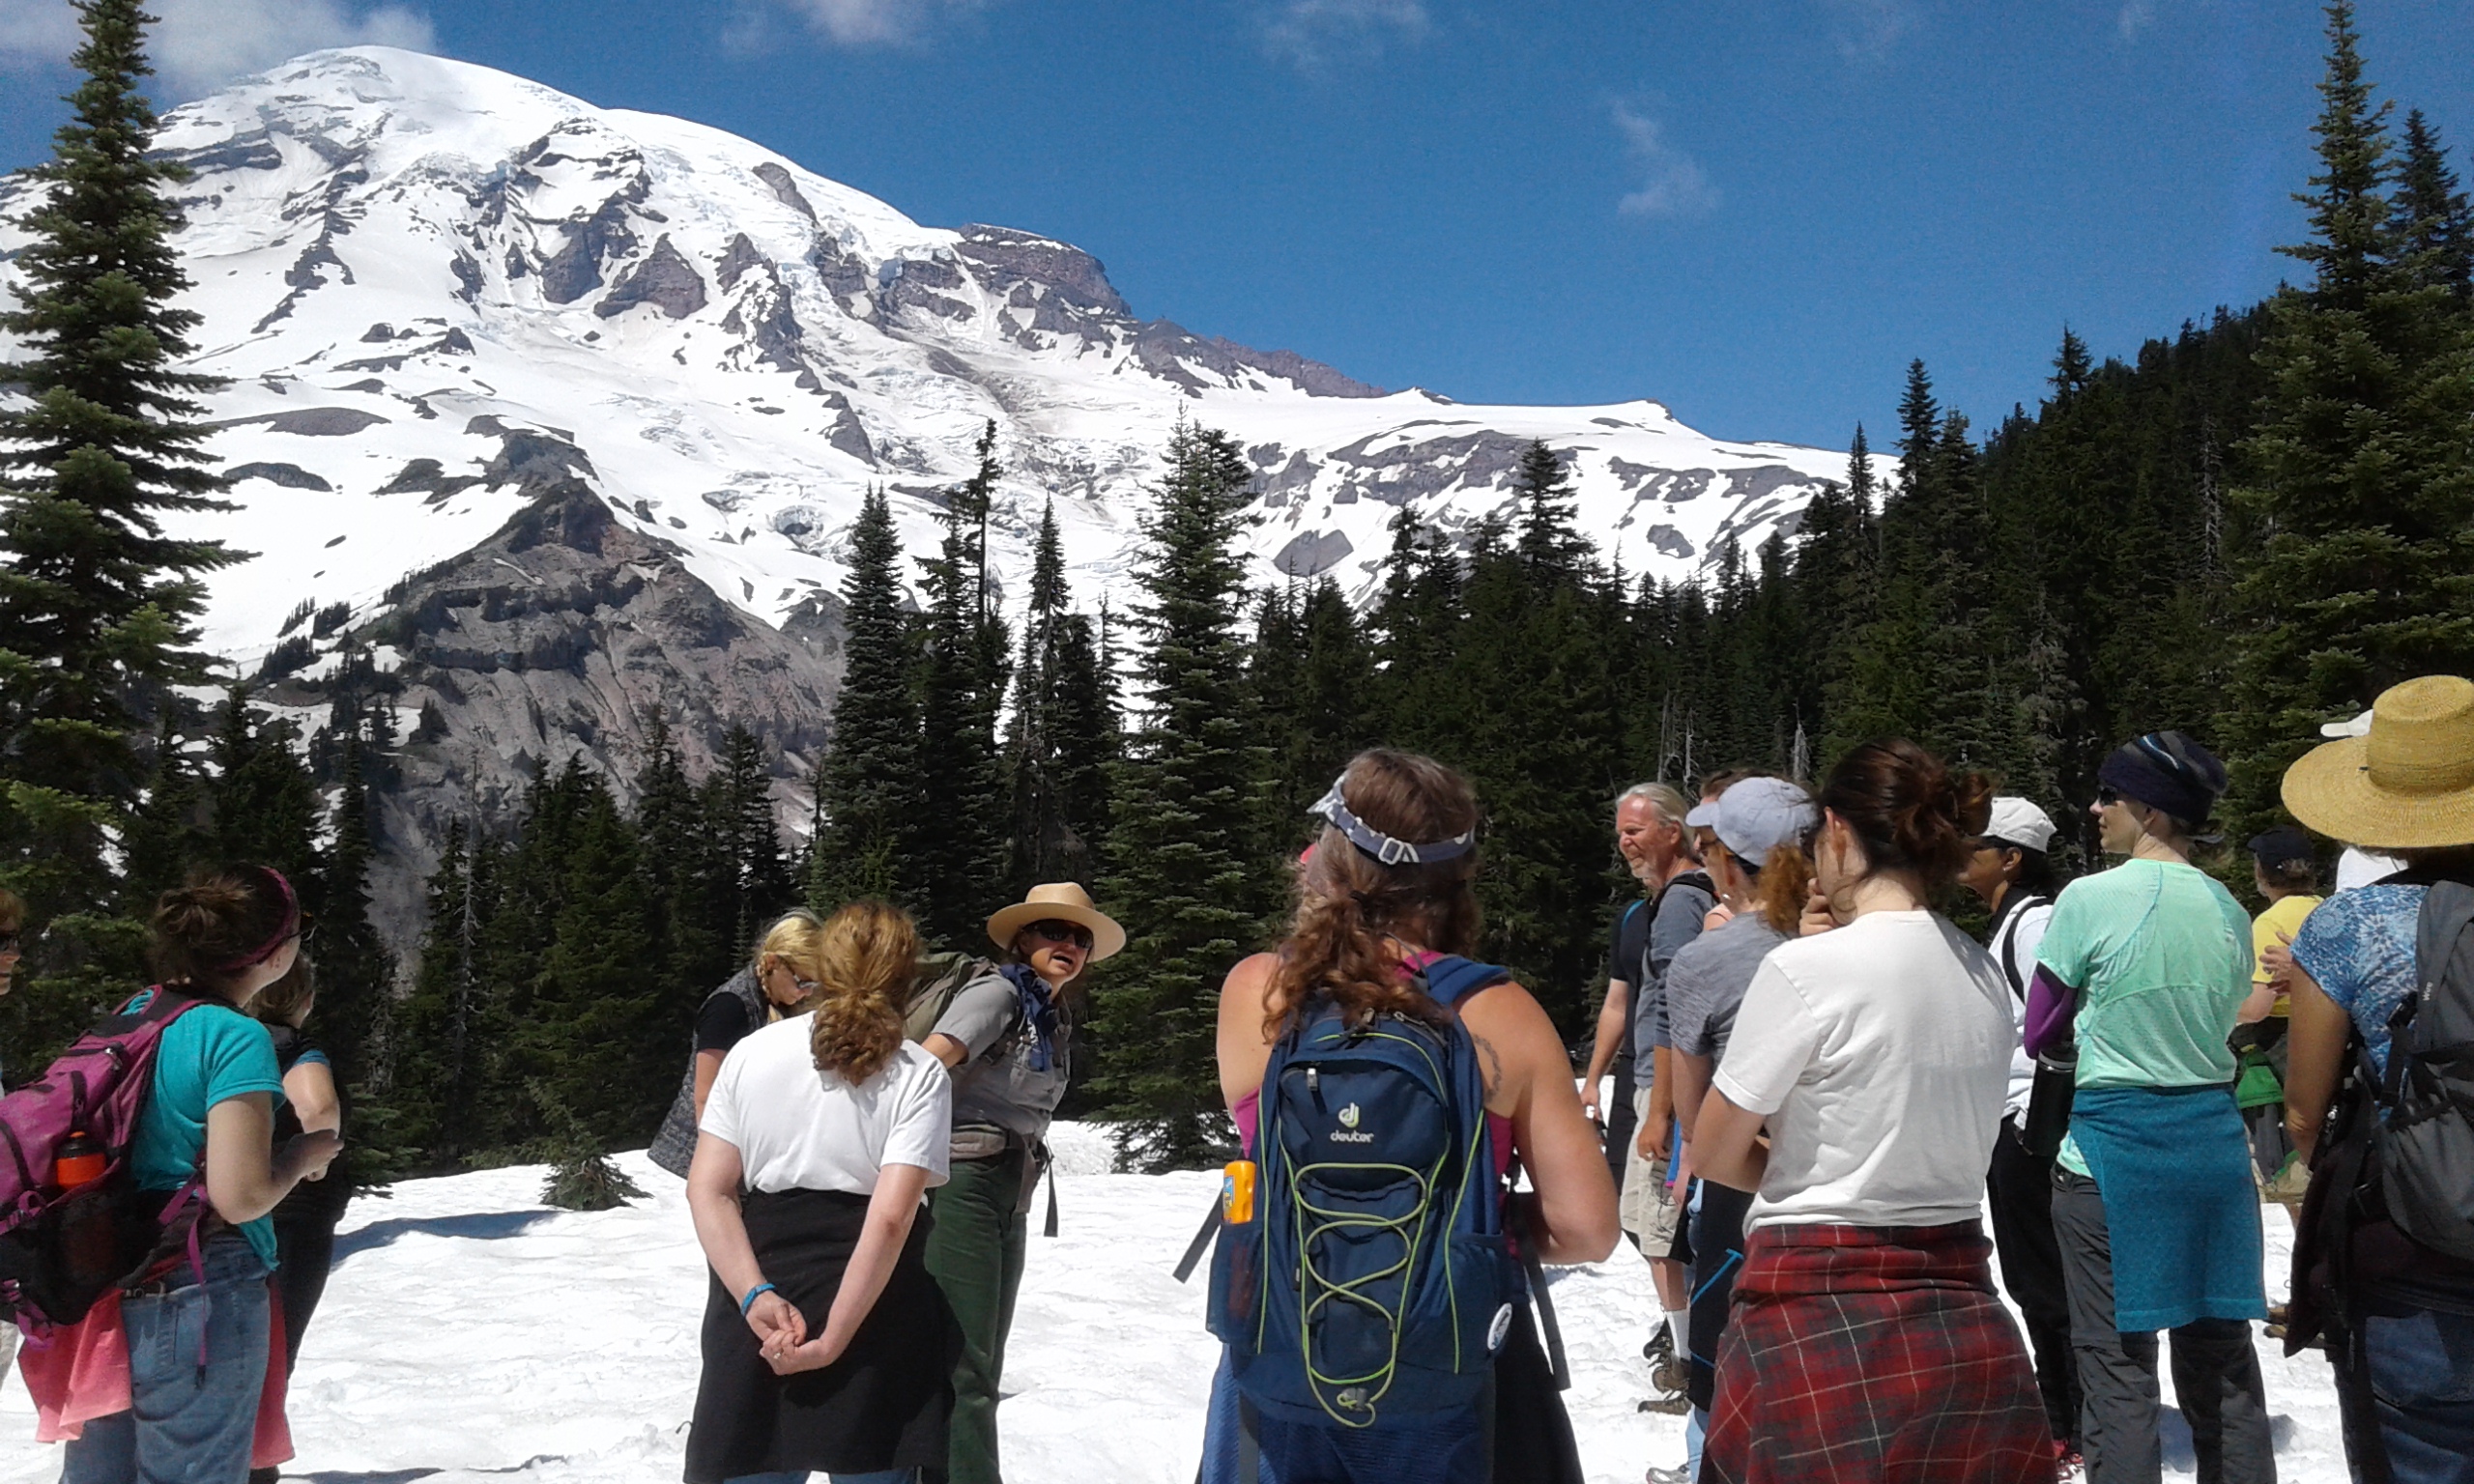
column 569, row 409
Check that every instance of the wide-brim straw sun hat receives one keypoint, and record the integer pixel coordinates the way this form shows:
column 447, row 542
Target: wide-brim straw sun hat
column 2408, row 785
column 1061, row 901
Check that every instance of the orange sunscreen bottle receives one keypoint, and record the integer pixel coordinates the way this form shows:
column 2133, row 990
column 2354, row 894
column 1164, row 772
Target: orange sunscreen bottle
column 1237, row 1192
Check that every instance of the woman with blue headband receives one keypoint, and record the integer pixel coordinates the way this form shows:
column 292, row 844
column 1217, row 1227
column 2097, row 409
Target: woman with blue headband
column 1373, row 958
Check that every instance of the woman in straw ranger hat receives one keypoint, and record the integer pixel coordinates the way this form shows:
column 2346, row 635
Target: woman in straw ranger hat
column 1007, row 1041
column 2402, row 1319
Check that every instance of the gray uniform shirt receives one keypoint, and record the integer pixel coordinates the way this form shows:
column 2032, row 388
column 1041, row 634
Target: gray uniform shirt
column 1679, row 910
column 1706, row 980
column 997, row 1085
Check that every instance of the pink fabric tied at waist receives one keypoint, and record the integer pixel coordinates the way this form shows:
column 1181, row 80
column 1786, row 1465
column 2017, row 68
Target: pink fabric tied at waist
column 82, row 1373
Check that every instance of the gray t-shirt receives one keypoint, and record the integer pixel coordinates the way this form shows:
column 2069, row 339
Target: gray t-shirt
column 1681, row 907
column 997, row 1085
column 1706, row 980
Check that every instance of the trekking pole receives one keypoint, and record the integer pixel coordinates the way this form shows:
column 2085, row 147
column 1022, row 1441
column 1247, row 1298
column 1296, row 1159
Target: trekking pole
column 1202, row 1243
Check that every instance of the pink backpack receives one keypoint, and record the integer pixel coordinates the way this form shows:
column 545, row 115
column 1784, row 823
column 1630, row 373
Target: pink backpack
column 62, row 1250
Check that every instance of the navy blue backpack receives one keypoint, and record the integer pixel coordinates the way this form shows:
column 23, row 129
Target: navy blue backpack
column 1373, row 1286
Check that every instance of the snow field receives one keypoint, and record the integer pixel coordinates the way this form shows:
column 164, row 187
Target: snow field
column 471, row 1335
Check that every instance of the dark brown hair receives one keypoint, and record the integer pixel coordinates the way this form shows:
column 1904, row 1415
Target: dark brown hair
column 2300, row 876
column 1349, row 903
column 277, row 1003
column 866, row 958
column 12, row 910
column 215, row 917
column 1909, row 808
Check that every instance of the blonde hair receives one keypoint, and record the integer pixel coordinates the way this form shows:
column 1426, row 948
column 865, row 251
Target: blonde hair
column 797, row 939
column 278, row 1003
column 867, row 959
column 12, row 910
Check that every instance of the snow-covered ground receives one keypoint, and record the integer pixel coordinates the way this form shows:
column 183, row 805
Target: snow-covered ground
column 473, row 1336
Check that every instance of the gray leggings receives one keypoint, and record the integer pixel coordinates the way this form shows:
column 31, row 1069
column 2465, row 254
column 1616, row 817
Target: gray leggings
column 2216, row 1372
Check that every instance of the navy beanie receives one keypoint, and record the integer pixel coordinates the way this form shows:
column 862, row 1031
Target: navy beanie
column 2166, row 770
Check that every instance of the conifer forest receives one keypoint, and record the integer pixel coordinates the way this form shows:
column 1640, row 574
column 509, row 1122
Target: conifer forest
column 2245, row 529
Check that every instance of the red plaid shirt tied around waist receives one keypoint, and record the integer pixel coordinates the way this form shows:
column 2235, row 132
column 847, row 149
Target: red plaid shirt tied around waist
column 1874, row 1353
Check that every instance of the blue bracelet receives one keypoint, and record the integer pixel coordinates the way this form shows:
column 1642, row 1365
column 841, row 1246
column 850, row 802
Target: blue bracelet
column 749, row 1302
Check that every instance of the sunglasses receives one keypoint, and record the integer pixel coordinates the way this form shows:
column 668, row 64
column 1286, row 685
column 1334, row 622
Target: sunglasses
column 10, row 940
column 307, row 933
column 1053, row 931
column 2108, row 795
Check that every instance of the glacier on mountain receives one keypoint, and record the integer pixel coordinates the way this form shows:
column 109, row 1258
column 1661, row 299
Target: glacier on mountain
column 561, row 413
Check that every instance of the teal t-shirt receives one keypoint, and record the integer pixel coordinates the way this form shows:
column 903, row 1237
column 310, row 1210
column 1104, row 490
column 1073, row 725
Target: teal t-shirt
column 2161, row 956
column 209, row 1055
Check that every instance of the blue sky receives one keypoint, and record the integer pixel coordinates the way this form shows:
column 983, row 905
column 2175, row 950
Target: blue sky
column 1755, row 212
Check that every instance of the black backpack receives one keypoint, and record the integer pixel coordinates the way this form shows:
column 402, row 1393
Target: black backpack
column 2425, row 1147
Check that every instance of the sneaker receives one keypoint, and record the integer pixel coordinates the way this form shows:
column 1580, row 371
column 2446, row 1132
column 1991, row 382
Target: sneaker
column 1658, row 1475
column 1673, row 1403
column 2068, row 1467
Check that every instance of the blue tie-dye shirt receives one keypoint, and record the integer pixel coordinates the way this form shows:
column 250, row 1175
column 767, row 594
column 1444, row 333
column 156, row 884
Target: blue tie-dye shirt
column 2358, row 946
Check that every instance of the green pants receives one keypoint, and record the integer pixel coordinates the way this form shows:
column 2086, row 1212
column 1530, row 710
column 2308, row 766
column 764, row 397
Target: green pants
column 975, row 1251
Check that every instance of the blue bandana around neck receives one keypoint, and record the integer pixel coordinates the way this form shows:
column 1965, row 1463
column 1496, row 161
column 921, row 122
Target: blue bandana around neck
column 1039, row 1012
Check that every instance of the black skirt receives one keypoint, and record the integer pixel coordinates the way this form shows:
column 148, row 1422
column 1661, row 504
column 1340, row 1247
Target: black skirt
column 882, row 1406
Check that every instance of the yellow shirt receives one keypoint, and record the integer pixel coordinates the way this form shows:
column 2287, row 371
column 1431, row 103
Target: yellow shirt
column 2283, row 919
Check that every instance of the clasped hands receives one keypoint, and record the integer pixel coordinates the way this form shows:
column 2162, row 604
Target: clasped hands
column 782, row 1337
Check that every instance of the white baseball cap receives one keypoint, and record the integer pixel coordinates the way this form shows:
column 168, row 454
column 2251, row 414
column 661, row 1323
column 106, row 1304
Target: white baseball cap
column 2017, row 822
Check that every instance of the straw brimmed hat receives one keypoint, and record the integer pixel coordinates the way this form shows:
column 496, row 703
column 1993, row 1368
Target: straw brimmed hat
column 1062, row 901
column 2408, row 785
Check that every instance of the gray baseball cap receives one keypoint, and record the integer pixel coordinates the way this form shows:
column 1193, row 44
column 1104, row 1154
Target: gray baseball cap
column 1756, row 816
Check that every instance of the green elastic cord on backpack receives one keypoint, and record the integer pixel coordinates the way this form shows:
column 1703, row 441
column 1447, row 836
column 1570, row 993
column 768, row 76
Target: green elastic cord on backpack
column 1377, row 1382
column 1313, row 1292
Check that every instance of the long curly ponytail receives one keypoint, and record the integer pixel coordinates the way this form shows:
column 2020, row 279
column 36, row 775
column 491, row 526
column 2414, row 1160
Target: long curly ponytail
column 867, row 957
column 1351, row 908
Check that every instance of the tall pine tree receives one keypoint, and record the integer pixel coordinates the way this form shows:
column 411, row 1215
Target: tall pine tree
column 96, row 604
column 1190, row 875
column 868, row 784
column 958, row 842
column 2362, row 473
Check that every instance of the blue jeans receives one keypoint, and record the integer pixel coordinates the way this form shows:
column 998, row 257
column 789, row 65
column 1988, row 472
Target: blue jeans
column 2422, row 1384
column 189, row 1423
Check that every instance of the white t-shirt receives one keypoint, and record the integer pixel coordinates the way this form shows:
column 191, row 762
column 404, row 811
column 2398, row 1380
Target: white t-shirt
column 1879, row 1052
column 798, row 1129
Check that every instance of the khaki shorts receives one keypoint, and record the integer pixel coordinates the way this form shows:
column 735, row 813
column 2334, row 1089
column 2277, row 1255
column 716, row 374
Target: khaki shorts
column 1649, row 1209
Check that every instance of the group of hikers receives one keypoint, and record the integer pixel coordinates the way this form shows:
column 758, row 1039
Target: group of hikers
column 1819, row 1084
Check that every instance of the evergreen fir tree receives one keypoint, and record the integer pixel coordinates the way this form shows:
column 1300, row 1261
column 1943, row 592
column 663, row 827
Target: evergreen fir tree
column 869, row 780
column 2434, row 225
column 1047, row 846
column 1189, row 872
column 752, row 882
column 97, row 605
column 2364, row 475
column 1551, row 548
column 958, row 843
column 355, row 969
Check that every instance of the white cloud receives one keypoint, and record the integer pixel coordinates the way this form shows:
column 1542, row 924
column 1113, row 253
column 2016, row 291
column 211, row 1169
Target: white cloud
column 872, row 22
column 2137, row 15
column 1868, row 28
column 1313, row 33
column 1671, row 184
column 200, row 45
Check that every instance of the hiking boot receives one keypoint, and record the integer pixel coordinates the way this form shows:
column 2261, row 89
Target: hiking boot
column 1659, row 1346
column 1673, row 1403
column 1669, row 1374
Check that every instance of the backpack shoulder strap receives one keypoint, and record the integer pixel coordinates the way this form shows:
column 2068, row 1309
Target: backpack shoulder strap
column 1452, row 977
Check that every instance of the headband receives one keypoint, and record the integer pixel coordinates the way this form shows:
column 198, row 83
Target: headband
column 284, row 928
column 1389, row 849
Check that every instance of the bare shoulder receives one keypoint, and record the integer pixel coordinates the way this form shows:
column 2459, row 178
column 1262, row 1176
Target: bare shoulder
column 1511, row 1031
column 1250, row 976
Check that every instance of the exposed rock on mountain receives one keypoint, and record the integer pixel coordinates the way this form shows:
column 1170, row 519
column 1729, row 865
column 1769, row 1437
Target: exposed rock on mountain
column 572, row 409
